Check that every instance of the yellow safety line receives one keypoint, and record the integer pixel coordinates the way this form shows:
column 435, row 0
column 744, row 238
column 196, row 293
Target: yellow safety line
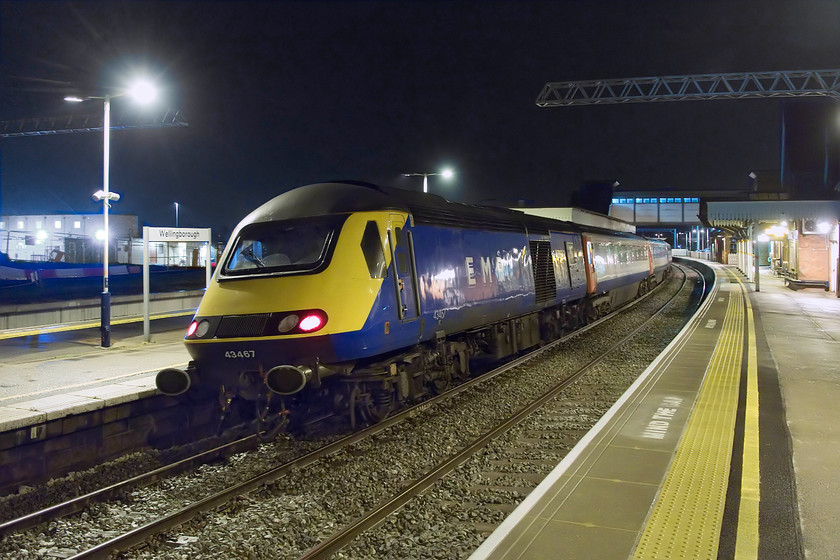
column 85, row 325
column 746, row 544
column 686, row 518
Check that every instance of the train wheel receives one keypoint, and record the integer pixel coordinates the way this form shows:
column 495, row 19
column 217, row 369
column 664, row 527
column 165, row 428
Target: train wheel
column 370, row 403
column 587, row 313
column 440, row 383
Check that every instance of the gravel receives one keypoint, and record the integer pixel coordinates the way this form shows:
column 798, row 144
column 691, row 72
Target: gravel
column 291, row 515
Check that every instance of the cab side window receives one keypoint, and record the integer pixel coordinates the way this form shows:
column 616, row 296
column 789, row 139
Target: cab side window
column 372, row 249
column 400, row 251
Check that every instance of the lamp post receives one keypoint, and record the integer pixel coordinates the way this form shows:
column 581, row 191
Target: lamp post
column 176, row 214
column 143, row 92
column 446, row 174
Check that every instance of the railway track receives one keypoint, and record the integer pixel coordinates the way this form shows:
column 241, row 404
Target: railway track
column 452, row 440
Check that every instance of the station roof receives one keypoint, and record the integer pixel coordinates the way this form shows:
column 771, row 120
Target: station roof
column 581, row 217
column 736, row 215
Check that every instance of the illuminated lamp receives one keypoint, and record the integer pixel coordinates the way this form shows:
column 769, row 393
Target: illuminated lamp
column 823, row 227
column 191, row 330
column 100, row 234
column 311, row 323
column 763, row 237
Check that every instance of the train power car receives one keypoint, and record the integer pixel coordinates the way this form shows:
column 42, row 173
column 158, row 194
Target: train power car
column 355, row 298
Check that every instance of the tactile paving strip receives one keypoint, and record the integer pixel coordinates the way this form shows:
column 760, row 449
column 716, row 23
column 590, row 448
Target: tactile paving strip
column 686, row 519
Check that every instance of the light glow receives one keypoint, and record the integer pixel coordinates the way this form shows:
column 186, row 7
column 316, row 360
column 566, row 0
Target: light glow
column 777, row 231
column 311, row 323
column 192, row 328
column 447, row 173
column 143, row 92
column 823, row 227
column 100, row 234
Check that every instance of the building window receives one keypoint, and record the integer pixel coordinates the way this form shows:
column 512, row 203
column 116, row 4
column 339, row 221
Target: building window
column 2, row 225
column 77, row 225
column 39, row 224
column 20, row 224
column 677, row 200
column 639, row 200
column 57, row 224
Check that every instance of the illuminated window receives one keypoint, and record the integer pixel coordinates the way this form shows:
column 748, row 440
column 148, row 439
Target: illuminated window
column 20, row 224
column 57, row 224
column 39, row 224
column 616, row 201
column 77, row 225
column 677, row 200
column 639, row 200
column 2, row 225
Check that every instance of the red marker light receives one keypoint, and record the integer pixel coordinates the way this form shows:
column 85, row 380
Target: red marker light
column 191, row 330
column 311, row 323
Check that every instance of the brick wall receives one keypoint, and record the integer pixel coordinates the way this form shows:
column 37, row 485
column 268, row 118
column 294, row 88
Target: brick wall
column 813, row 257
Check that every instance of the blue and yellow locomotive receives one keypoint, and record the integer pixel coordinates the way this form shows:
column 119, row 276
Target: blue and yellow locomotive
column 351, row 297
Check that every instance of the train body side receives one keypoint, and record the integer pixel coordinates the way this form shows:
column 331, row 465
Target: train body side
column 391, row 276
column 471, row 278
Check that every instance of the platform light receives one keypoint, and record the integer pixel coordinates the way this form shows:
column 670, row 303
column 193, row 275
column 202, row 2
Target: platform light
column 823, row 227
column 100, row 235
column 777, row 231
column 763, row 238
column 446, row 174
column 143, row 92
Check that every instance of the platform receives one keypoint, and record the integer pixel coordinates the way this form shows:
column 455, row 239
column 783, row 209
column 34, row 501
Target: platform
column 726, row 447
column 58, row 371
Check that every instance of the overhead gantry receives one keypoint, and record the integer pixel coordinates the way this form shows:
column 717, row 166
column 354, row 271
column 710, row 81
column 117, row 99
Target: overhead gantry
column 795, row 83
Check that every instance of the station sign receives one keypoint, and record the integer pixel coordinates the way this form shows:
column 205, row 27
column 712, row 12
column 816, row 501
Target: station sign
column 178, row 234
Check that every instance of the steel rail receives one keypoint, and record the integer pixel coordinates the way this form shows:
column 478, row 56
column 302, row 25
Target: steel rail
column 79, row 503
column 141, row 534
column 339, row 540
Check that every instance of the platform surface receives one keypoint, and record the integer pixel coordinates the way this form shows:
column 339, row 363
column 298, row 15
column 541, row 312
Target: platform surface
column 727, row 446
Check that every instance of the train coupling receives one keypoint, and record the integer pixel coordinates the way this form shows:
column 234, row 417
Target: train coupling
column 174, row 381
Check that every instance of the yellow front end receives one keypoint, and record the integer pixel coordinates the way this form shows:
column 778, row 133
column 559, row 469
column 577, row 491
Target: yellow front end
column 344, row 290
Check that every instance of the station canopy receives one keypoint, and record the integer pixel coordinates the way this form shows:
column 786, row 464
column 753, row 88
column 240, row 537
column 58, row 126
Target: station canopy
column 738, row 216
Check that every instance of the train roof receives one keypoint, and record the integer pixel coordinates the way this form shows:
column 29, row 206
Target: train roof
column 341, row 197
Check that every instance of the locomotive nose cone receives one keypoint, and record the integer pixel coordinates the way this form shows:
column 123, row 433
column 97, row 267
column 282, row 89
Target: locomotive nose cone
column 173, row 381
column 287, row 380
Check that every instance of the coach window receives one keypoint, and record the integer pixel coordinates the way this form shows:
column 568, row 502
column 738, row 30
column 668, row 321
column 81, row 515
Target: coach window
column 372, row 249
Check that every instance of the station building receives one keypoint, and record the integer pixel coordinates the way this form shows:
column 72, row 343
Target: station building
column 77, row 238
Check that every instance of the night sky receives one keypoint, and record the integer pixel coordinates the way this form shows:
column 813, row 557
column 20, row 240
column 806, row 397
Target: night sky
column 281, row 94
